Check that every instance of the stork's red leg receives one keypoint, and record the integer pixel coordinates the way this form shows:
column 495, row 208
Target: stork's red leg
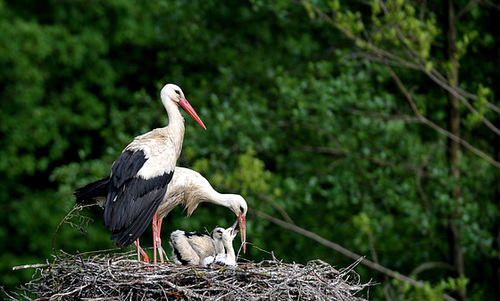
column 141, row 252
column 158, row 242
column 157, row 239
column 154, row 225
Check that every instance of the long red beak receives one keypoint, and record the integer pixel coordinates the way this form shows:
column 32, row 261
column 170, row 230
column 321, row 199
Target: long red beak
column 242, row 223
column 186, row 106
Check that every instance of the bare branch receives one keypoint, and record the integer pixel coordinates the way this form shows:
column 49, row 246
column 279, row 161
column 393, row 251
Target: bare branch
column 453, row 90
column 68, row 217
column 432, row 265
column 346, row 252
column 343, row 152
column 437, row 128
column 31, row 266
column 437, row 77
column 467, row 9
column 276, row 206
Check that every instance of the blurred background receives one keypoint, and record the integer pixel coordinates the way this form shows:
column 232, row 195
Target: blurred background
column 373, row 124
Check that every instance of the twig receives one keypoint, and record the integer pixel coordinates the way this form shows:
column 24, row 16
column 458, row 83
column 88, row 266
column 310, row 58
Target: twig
column 68, row 293
column 432, row 265
column 434, row 126
column 433, row 74
column 65, row 219
column 31, row 266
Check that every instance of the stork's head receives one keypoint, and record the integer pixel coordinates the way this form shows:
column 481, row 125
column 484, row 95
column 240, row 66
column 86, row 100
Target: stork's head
column 225, row 235
column 239, row 206
column 171, row 92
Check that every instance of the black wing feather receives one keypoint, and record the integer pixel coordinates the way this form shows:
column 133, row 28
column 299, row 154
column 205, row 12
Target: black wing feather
column 131, row 200
column 136, row 217
column 126, row 166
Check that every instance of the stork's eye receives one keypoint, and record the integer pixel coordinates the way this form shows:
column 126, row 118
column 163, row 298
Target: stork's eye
column 177, row 92
column 241, row 209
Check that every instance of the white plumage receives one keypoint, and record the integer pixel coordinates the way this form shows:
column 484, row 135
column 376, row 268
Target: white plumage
column 223, row 240
column 189, row 188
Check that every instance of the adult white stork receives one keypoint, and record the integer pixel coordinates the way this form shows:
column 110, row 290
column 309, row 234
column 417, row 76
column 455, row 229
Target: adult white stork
column 140, row 176
column 194, row 248
column 189, row 188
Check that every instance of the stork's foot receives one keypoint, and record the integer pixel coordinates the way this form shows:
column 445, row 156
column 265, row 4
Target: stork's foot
column 162, row 253
column 144, row 256
column 141, row 254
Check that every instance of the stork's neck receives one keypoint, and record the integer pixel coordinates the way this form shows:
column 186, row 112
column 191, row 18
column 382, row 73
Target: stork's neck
column 219, row 247
column 207, row 194
column 175, row 121
column 230, row 255
column 226, row 200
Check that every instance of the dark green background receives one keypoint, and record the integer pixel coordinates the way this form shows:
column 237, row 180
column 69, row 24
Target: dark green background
column 298, row 119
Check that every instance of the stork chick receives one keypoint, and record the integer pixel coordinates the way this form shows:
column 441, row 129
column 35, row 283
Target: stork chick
column 194, row 248
column 223, row 239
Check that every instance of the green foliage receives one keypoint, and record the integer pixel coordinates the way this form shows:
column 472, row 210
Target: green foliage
column 297, row 122
column 483, row 93
column 394, row 27
column 431, row 292
column 249, row 176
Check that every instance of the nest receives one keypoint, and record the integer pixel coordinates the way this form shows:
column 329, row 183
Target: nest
column 119, row 276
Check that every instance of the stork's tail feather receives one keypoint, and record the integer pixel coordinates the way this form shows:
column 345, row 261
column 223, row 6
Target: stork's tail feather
column 93, row 191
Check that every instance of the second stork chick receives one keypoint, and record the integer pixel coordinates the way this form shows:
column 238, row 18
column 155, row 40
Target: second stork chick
column 223, row 240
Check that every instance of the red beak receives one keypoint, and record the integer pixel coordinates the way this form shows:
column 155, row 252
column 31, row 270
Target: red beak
column 186, row 106
column 242, row 223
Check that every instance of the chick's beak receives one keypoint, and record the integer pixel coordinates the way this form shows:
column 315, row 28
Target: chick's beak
column 234, row 226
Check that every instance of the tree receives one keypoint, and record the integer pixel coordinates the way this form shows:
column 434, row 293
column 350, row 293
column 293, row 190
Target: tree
column 400, row 34
column 332, row 118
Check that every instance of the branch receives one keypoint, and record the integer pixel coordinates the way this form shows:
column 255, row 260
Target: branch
column 342, row 152
column 64, row 220
column 276, row 206
column 437, row 77
column 467, row 8
column 436, row 127
column 433, row 74
column 432, row 265
column 31, row 266
column 346, row 252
